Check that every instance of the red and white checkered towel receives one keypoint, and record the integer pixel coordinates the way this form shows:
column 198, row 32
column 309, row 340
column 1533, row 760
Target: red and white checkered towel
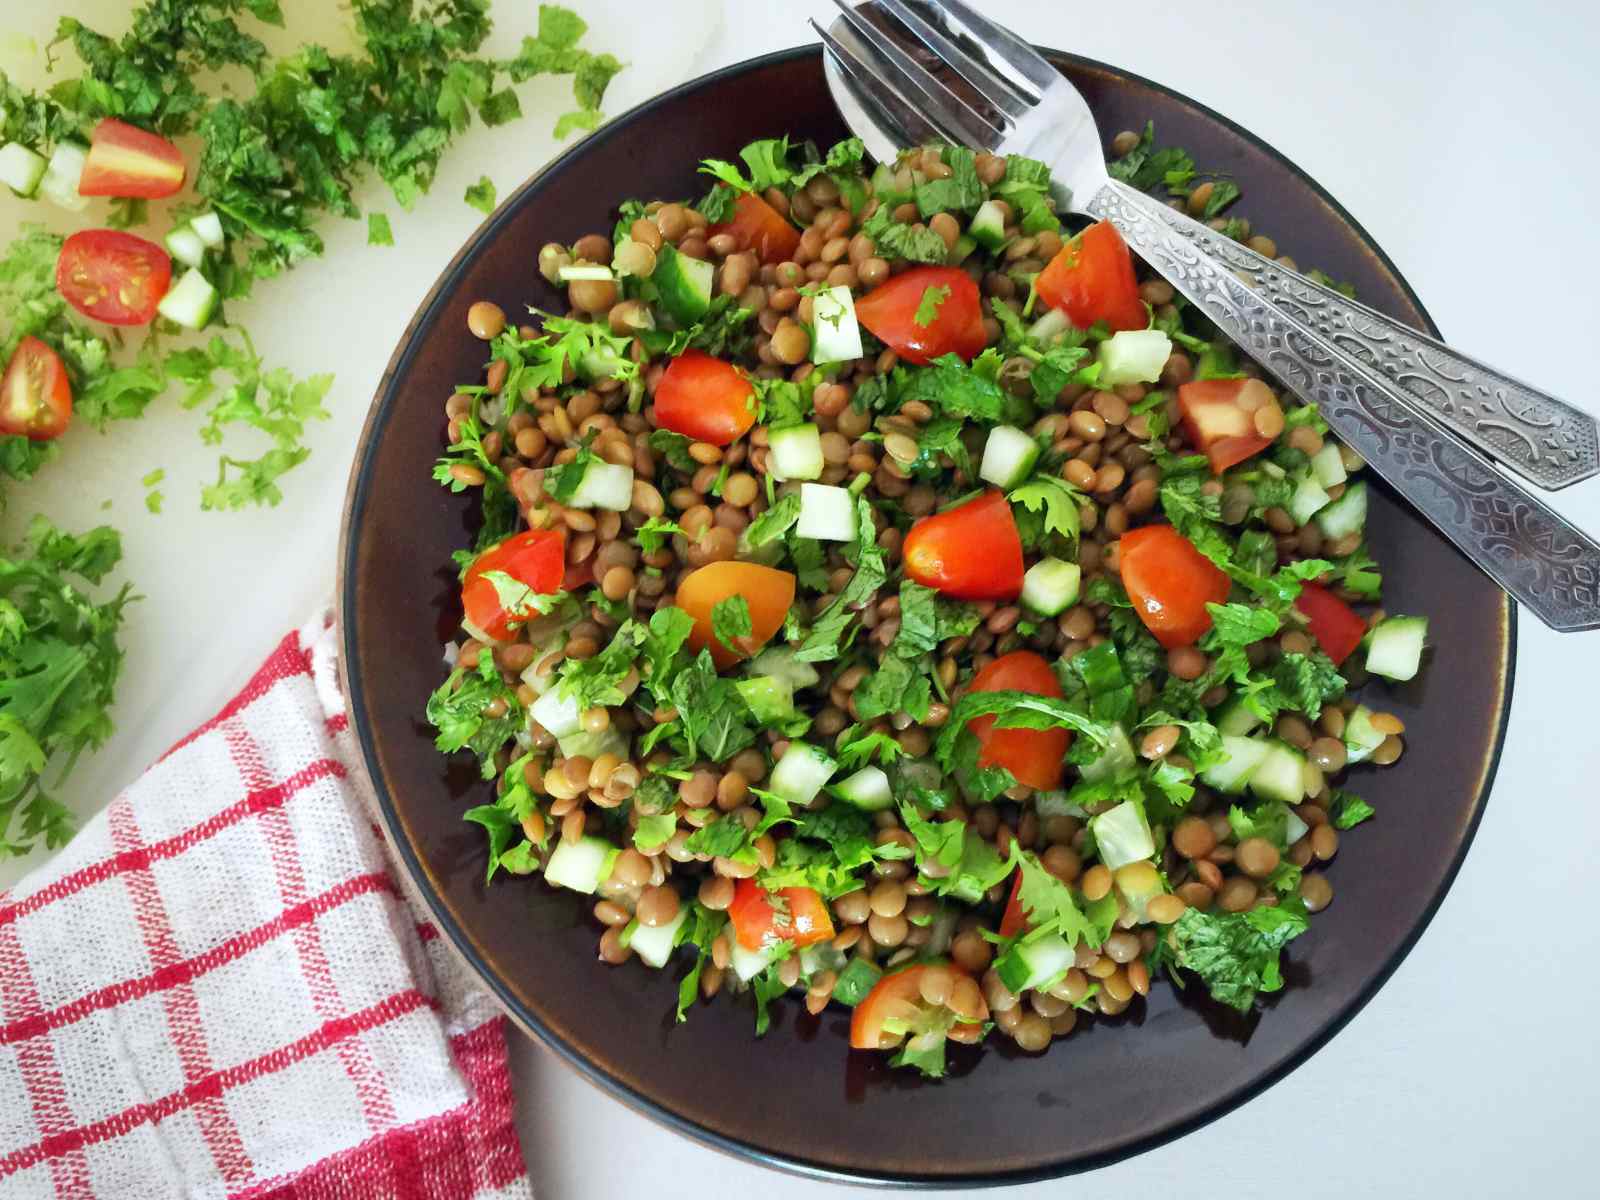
column 220, row 988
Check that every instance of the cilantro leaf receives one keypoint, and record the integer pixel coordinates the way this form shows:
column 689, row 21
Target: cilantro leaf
column 933, row 297
column 655, row 533
column 481, row 195
column 1349, row 810
column 730, row 621
column 713, row 715
column 952, row 388
column 379, row 232
column 774, row 523
column 1052, row 906
column 1058, row 503
column 460, row 709
column 1236, row 955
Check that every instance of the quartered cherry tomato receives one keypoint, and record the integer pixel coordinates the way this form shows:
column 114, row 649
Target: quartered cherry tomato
column 1092, row 280
column 706, row 399
column 971, row 552
column 112, row 276
column 800, row 916
column 930, row 1001
column 1170, row 583
column 891, row 309
column 35, row 395
column 1332, row 622
column 535, row 559
column 125, row 160
column 1034, row 756
column 768, row 591
column 757, row 226
column 1014, row 920
column 1219, row 417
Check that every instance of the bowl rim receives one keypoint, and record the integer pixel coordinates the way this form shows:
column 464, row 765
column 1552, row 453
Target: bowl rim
column 356, row 500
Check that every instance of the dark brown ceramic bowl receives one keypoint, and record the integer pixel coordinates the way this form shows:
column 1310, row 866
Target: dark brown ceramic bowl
column 799, row 1098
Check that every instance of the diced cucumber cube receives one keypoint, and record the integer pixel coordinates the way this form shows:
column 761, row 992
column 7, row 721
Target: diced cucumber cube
column 578, row 272
column 184, row 244
column 794, row 453
column 604, row 485
column 1360, row 738
column 835, row 332
column 1244, row 757
column 653, row 943
column 827, row 513
column 1051, row 586
column 1036, row 963
column 683, row 283
column 781, row 661
column 1122, row 835
column 1308, row 499
column 747, row 964
column 1328, row 465
column 208, row 227
column 1134, row 356
column 868, row 789
column 1395, row 651
column 768, row 697
column 1236, row 718
column 60, row 182
column 1281, row 774
column 1053, row 323
column 988, row 226
column 581, row 865
column 189, row 302
column 1347, row 514
column 1117, row 756
column 801, row 773
column 1008, row 457
column 557, row 712
column 20, row 168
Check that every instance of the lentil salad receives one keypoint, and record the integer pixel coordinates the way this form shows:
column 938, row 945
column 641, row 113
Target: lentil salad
column 887, row 595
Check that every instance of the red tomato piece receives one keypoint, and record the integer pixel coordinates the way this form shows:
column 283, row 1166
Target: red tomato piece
column 706, row 399
column 1091, row 280
column 35, row 395
column 971, row 552
column 890, row 312
column 536, row 559
column 125, row 160
column 112, row 276
column 801, row 917
column 898, row 1006
column 1034, row 756
column 758, row 226
column 767, row 591
column 1170, row 583
column 1014, row 921
column 1219, row 417
column 1335, row 625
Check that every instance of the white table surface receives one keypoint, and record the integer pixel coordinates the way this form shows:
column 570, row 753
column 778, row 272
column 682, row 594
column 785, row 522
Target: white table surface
column 1471, row 1074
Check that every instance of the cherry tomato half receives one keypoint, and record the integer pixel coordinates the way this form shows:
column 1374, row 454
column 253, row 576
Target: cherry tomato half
column 890, row 311
column 971, row 552
column 536, row 559
column 1332, row 622
column 899, row 1005
column 800, row 917
column 706, row 399
column 125, row 160
column 35, row 395
column 112, row 276
column 768, row 592
column 1170, row 583
column 1034, row 756
column 757, row 226
column 1092, row 280
column 1219, row 417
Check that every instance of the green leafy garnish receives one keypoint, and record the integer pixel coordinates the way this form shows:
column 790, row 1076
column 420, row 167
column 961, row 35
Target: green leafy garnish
column 481, row 195
column 928, row 307
column 1236, row 955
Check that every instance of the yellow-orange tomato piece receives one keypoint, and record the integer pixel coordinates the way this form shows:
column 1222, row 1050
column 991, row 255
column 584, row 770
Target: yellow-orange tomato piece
column 767, row 591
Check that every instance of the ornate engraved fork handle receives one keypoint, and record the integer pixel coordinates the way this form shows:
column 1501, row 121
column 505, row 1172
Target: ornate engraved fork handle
column 1532, row 552
column 1546, row 441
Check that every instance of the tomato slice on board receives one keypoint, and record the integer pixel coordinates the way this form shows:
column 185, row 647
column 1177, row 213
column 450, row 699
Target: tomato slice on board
column 757, row 226
column 898, row 1006
column 112, row 276
column 1014, row 921
column 890, row 311
column 35, row 395
column 1219, row 417
column 1091, row 280
column 768, row 591
column 536, row 559
column 125, row 160
column 801, row 916
column 1335, row 625
column 1170, row 583
column 971, row 552
column 705, row 398
column 1034, row 756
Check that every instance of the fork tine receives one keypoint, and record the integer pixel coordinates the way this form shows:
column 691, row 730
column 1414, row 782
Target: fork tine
column 897, row 120
column 1015, row 52
column 958, row 120
column 992, row 86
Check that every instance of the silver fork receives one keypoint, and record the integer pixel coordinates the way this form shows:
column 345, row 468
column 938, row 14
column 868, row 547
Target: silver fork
column 1422, row 415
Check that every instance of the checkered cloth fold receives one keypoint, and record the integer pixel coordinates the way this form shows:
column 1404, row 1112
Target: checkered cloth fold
column 223, row 987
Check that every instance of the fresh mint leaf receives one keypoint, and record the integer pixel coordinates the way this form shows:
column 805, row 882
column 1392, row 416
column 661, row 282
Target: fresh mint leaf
column 962, row 191
column 774, row 523
column 895, row 239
